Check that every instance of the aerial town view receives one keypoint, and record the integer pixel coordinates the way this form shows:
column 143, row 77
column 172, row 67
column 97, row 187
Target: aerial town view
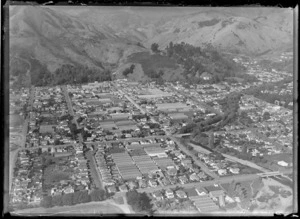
column 151, row 111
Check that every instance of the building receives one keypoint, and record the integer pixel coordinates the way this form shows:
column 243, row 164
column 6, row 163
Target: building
column 175, row 117
column 204, row 203
column 168, row 107
column 123, row 188
column 158, row 195
column 169, row 193
column 214, row 191
column 120, row 116
column 206, row 76
column 200, row 191
column 46, row 129
column 283, row 163
column 155, row 151
column 61, row 154
column 181, row 194
column 111, row 189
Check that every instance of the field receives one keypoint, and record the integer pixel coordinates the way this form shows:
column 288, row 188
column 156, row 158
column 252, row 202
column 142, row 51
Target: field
column 56, row 172
column 278, row 157
column 92, row 208
column 15, row 120
column 274, row 198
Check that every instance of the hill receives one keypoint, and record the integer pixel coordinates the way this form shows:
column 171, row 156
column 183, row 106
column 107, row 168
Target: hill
column 106, row 38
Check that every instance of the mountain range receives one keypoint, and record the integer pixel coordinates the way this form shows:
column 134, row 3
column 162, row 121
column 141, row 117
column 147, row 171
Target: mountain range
column 104, row 37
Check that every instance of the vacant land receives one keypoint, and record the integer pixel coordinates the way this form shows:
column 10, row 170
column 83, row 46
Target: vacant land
column 274, row 198
column 58, row 170
column 92, row 208
column 15, row 120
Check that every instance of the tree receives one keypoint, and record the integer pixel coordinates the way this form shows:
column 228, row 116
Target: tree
column 139, row 201
column 57, row 200
column 98, row 195
column 154, row 47
column 81, row 197
column 266, row 116
column 244, row 149
column 67, row 199
column 128, row 70
column 46, row 202
column 56, row 141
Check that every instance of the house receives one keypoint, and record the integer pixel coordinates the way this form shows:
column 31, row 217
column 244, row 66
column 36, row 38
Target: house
column 123, row 188
column 181, row 194
column 206, row 76
column 186, row 162
column 191, row 192
column 132, row 185
column 169, row 193
column 142, row 183
column 111, row 189
column 183, row 179
column 194, row 177
column 214, row 191
column 222, row 172
column 200, row 191
column 172, row 171
column 68, row 190
column 152, row 183
column 282, row 163
column 234, row 170
column 158, row 195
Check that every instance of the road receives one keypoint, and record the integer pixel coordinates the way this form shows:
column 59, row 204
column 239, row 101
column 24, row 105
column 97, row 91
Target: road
column 133, row 102
column 226, row 179
column 92, row 161
column 71, row 111
column 127, row 139
column 246, row 163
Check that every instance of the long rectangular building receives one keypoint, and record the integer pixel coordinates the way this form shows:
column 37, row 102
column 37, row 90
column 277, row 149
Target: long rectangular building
column 166, row 107
column 145, row 164
column 126, row 166
column 204, row 203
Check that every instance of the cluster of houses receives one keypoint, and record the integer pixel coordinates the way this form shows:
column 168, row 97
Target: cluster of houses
column 150, row 163
column 278, row 127
column 47, row 126
column 202, row 199
column 17, row 98
column 221, row 167
column 27, row 180
column 73, row 162
column 107, row 115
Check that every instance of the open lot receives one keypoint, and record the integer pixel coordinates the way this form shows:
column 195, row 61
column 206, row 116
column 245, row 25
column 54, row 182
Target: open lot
column 92, row 208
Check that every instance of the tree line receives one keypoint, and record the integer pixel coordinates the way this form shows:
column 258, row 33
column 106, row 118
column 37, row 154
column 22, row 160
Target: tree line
column 196, row 61
column 73, row 198
column 69, row 74
column 140, row 202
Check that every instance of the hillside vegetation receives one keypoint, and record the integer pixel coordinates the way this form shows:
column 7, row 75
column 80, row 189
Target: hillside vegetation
column 104, row 38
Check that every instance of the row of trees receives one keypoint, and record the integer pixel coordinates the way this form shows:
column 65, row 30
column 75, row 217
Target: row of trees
column 229, row 105
column 73, row 198
column 196, row 60
column 69, row 74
